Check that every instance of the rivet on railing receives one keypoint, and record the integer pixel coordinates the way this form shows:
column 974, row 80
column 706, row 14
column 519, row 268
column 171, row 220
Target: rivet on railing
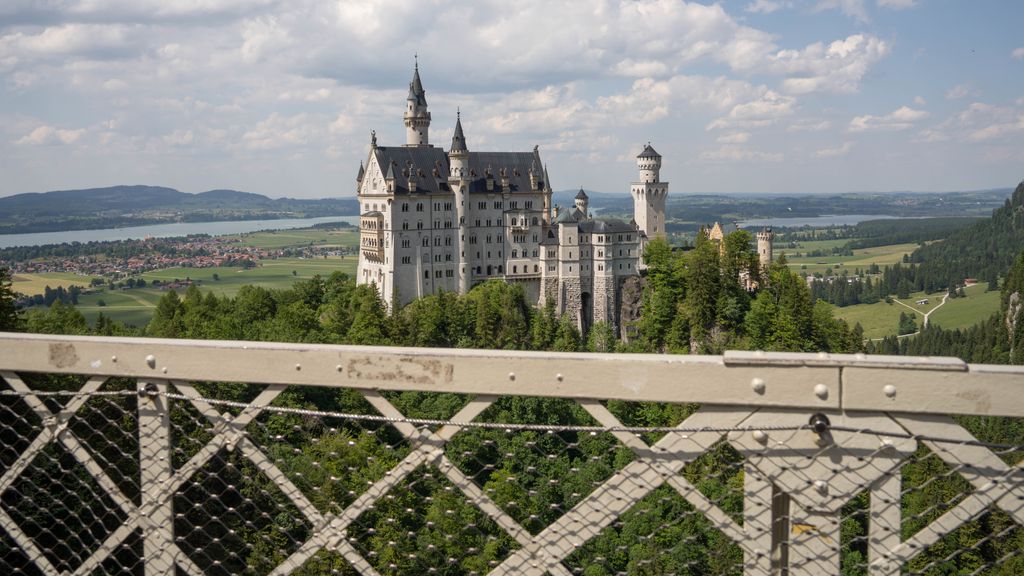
column 339, row 368
column 511, row 375
column 164, row 369
column 298, row 366
column 151, row 361
column 821, row 391
column 821, row 486
column 757, row 385
column 760, row 436
column 558, row 377
column 113, row 358
column 889, row 390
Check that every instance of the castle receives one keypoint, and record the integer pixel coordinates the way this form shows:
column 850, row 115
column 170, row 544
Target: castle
column 434, row 221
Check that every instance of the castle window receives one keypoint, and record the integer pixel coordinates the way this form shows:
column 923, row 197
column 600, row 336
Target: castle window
column 534, row 253
column 366, row 207
column 419, row 207
column 448, row 206
column 500, row 269
column 514, row 254
column 515, row 269
column 629, row 237
column 437, row 206
column 513, row 205
column 406, row 260
column 426, row 242
column 447, row 240
column 481, row 206
column 405, row 225
column 536, row 268
column 600, row 253
column 529, row 204
column 534, row 220
column 449, row 273
column 600, row 267
column 570, row 268
column 488, row 221
column 447, row 257
column 478, row 269
column 437, row 241
column 405, row 242
column 426, row 274
column 497, row 205
column 405, row 206
column 419, row 225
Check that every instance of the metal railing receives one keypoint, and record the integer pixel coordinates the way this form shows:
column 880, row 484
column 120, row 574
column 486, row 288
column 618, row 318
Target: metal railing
column 123, row 455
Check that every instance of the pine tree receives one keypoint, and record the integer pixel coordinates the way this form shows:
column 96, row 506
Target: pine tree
column 9, row 319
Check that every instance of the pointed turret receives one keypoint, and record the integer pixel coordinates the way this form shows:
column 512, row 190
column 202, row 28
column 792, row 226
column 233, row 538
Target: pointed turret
column 417, row 118
column 582, row 202
column 362, row 172
column 458, row 139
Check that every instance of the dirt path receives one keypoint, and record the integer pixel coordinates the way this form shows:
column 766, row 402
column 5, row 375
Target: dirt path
column 924, row 323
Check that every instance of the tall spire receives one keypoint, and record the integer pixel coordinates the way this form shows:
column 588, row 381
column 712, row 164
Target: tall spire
column 458, row 139
column 417, row 117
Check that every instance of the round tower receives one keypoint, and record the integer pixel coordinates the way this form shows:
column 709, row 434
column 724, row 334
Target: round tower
column 649, row 163
column 765, row 239
column 649, row 194
column 417, row 117
column 582, row 202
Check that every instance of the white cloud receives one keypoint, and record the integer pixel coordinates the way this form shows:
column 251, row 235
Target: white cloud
column 837, row 67
column 853, row 8
column 834, row 152
column 181, row 138
column 809, row 125
column 1018, row 53
column 897, row 4
column 979, row 123
column 959, row 91
column 920, row 101
column 902, row 118
column 50, row 136
column 734, row 138
column 767, row 6
column 764, row 111
column 727, row 154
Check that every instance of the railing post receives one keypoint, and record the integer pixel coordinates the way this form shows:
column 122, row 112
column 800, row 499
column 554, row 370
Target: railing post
column 156, row 471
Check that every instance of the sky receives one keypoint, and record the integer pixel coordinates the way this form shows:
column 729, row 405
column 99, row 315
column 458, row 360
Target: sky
column 278, row 97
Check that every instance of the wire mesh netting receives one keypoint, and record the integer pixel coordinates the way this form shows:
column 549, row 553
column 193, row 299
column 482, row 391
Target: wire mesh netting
column 100, row 477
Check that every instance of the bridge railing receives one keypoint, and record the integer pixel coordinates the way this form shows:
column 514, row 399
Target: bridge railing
column 125, row 455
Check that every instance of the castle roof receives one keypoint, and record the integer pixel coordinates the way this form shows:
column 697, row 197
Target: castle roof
column 515, row 164
column 362, row 171
column 424, row 165
column 649, row 152
column 416, row 91
column 605, row 227
column 581, row 195
column 458, row 139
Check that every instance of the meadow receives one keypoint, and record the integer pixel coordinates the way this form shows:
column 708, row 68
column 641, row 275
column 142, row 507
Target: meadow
column 862, row 258
column 134, row 306
column 882, row 319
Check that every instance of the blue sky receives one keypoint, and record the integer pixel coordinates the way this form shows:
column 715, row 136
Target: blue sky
column 279, row 96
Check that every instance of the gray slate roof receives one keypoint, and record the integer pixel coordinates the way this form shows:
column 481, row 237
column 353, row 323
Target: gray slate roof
column 649, row 152
column 430, row 168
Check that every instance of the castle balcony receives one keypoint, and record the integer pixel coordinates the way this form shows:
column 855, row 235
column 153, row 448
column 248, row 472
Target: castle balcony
column 151, row 456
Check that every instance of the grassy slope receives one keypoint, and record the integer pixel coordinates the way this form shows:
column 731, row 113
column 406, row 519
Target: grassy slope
column 963, row 312
column 862, row 258
column 882, row 319
column 37, row 283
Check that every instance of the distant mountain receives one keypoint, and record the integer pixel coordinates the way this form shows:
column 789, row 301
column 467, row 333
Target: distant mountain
column 121, row 206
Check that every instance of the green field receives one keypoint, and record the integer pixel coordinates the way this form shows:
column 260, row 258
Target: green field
column 862, row 258
column 964, row 312
column 275, row 239
column 135, row 306
column 881, row 319
column 31, row 284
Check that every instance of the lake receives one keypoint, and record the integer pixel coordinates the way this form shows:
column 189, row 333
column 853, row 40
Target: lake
column 166, row 230
column 815, row 221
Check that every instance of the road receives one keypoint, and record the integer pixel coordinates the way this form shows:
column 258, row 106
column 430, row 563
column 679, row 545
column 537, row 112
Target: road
column 924, row 323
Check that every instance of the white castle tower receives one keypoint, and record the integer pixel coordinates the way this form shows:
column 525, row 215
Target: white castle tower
column 765, row 239
column 417, row 118
column 458, row 181
column 649, row 194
